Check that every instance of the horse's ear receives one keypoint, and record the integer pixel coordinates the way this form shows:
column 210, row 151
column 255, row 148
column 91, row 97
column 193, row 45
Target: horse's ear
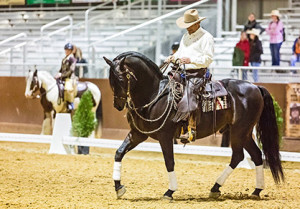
column 122, row 63
column 35, row 73
column 108, row 61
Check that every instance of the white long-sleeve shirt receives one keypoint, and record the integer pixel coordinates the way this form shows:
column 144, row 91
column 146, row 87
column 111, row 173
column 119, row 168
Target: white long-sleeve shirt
column 199, row 47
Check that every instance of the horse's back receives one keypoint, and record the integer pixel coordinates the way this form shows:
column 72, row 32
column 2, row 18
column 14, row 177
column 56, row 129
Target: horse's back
column 247, row 101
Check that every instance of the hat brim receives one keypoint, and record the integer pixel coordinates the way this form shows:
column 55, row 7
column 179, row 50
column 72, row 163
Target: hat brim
column 181, row 24
column 251, row 32
column 273, row 14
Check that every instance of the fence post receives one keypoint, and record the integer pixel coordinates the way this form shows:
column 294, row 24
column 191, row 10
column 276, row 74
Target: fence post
column 240, row 74
column 62, row 127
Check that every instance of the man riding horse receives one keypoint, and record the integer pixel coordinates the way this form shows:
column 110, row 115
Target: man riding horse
column 66, row 75
column 196, row 53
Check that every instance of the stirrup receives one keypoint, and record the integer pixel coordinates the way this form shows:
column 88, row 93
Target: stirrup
column 70, row 106
column 189, row 136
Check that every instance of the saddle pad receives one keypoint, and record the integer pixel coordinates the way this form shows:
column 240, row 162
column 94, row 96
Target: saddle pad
column 215, row 89
column 81, row 88
column 221, row 103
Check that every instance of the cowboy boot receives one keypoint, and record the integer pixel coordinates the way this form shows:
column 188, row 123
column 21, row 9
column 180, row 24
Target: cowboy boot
column 188, row 134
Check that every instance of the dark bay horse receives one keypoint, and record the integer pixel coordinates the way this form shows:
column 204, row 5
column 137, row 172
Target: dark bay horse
column 135, row 81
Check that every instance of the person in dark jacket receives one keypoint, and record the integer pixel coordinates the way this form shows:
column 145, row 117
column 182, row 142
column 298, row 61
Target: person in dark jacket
column 255, row 51
column 253, row 24
column 80, row 71
column 296, row 52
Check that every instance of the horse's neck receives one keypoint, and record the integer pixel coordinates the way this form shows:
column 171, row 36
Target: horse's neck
column 47, row 80
column 146, row 91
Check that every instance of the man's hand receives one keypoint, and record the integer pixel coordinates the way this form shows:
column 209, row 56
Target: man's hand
column 185, row 60
column 58, row 75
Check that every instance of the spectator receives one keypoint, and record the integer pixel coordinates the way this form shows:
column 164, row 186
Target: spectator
column 80, row 71
column 253, row 24
column 241, row 53
column 175, row 47
column 275, row 30
column 296, row 52
column 255, row 51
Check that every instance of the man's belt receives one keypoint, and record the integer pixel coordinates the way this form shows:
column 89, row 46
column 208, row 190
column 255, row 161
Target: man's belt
column 195, row 73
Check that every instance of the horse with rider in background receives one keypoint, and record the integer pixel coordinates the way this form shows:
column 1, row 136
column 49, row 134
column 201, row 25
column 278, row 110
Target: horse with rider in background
column 41, row 84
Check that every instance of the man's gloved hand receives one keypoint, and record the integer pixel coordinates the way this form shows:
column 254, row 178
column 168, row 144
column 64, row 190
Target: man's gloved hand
column 58, row 75
column 185, row 60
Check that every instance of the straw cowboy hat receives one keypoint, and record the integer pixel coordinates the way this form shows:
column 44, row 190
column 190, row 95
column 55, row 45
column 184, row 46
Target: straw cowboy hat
column 275, row 13
column 189, row 18
column 254, row 31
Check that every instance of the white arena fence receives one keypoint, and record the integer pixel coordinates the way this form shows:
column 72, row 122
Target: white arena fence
column 145, row 146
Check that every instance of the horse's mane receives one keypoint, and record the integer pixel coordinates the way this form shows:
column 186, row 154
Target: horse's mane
column 46, row 74
column 142, row 57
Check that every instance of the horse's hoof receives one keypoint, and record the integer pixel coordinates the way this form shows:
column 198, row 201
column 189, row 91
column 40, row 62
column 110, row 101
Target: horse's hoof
column 167, row 198
column 214, row 195
column 120, row 192
column 254, row 197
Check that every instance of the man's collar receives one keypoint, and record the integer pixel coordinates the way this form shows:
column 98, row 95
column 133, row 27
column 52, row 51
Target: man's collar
column 196, row 33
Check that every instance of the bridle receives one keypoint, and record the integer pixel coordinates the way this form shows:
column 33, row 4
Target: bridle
column 132, row 108
column 36, row 88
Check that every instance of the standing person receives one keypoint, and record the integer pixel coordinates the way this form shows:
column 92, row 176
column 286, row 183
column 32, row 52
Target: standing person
column 275, row 30
column 253, row 24
column 195, row 51
column 241, row 53
column 296, row 52
column 80, row 71
column 66, row 74
column 175, row 47
column 255, row 51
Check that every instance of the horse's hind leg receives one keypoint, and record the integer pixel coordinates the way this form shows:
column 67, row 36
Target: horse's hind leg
column 256, row 157
column 237, row 157
column 130, row 142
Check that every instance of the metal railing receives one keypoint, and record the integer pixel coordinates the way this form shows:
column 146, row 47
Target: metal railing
column 270, row 74
column 155, row 20
column 70, row 26
column 266, row 74
column 86, row 15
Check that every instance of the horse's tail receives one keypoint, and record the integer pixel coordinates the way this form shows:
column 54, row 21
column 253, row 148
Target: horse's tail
column 99, row 117
column 269, row 137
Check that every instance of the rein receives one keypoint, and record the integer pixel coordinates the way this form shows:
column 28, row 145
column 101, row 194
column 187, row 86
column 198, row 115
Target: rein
column 38, row 96
column 131, row 106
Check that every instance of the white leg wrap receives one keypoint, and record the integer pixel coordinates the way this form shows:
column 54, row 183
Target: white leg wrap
column 172, row 181
column 260, row 182
column 224, row 175
column 117, row 171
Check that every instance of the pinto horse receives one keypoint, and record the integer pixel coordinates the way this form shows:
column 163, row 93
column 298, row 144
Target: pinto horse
column 49, row 94
column 135, row 81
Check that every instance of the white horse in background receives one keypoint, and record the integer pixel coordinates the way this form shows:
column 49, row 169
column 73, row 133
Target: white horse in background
column 49, row 94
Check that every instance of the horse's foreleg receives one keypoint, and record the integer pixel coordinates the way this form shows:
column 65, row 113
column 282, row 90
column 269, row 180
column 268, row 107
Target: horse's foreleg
column 130, row 142
column 47, row 124
column 168, row 152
